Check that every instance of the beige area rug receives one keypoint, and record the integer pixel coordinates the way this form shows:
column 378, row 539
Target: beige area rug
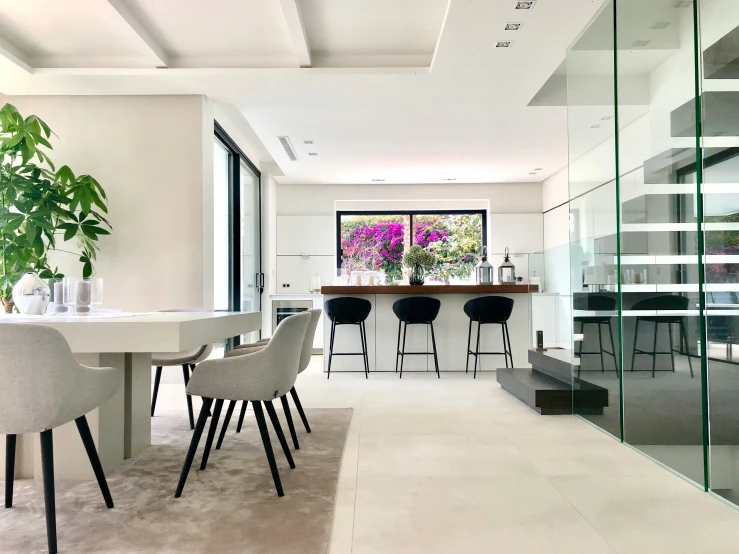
column 232, row 506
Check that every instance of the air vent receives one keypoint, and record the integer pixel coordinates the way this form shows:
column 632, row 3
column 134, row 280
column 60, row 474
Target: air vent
column 313, row 153
column 307, row 142
column 504, row 44
column 513, row 26
column 289, row 150
column 525, row 5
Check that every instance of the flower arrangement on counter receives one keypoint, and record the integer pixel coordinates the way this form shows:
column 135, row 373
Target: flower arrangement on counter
column 416, row 259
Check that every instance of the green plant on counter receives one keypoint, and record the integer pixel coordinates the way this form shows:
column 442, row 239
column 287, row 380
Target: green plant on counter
column 39, row 204
column 417, row 256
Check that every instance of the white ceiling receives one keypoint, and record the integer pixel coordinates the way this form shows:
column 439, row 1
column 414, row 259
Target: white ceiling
column 410, row 91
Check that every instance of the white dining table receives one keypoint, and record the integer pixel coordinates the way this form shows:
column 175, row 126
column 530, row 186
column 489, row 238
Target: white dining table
column 121, row 427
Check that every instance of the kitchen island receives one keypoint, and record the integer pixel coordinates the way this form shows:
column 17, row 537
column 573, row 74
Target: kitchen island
column 451, row 327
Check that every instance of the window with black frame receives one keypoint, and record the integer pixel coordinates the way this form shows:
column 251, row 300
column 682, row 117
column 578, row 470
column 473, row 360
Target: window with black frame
column 377, row 241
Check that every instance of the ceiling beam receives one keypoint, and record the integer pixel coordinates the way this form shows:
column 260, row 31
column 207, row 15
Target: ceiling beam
column 118, row 11
column 299, row 37
column 10, row 52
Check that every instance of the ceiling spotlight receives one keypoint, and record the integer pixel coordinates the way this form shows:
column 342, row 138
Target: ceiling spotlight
column 504, row 44
column 525, row 5
column 313, row 153
column 513, row 26
column 683, row 3
column 377, row 180
column 661, row 25
column 450, row 179
column 538, row 169
column 307, row 142
column 595, row 126
column 606, row 118
column 532, row 173
column 641, row 43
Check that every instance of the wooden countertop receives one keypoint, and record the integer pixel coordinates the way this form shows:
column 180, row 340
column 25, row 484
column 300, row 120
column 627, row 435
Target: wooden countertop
column 432, row 289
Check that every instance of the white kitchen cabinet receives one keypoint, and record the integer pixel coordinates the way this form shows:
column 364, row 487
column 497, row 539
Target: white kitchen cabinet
column 306, row 235
column 295, row 273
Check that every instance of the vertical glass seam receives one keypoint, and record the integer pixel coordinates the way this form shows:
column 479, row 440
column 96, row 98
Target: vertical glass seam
column 619, row 309
column 701, row 247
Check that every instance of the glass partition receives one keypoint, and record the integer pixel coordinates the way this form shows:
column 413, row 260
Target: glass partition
column 718, row 177
column 593, row 222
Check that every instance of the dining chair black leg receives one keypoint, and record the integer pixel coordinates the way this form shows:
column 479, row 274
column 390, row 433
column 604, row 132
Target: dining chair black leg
column 186, row 378
column 654, row 352
column 436, row 356
column 600, row 343
column 10, row 441
column 92, row 454
column 397, row 348
column 244, row 404
column 469, row 338
column 299, row 406
column 687, row 348
column 280, row 435
column 47, row 469
column 510, row 350
column 477, row 348
column 157, row 378
column 211, row 433
column 672, row 347
column 262, row 424
column 331, row 348
column 289, row 418
column 402, row 355
column 199, row 426
column 226, row 421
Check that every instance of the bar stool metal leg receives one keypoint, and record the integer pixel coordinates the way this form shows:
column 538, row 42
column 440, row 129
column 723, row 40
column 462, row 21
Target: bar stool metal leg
column 365, row 354
column 636, row 338
column 397, row 348
column 654, row 352
column 505, row 346
column 477, row 349
column 436, row 357
column 600, row 342
column 469, row 339
column 402, row 355
column 687, row 346
column 331, row 348
column 613, row 349
column 672, row 347
column 510, row 350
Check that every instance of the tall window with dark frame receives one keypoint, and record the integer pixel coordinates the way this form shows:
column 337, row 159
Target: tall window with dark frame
column 376, row 241
column 238, row 281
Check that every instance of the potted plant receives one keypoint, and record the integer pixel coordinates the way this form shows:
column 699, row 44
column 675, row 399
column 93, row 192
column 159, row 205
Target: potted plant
column 417, row 259
column 39, row 204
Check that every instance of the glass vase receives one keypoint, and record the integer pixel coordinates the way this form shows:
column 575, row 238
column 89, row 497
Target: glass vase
column 416, row 275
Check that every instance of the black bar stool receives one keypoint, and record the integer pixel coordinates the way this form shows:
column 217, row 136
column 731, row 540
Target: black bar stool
column 669, row 302
column 600, row 303
column 488, row 310
column 348, row 310
column 416, row 310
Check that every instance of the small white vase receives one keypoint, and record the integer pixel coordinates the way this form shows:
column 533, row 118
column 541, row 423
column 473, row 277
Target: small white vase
column 31, row 295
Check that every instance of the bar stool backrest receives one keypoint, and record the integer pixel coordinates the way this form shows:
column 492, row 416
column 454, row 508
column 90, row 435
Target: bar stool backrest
column 669, row 302
column 348, row 310
column 594, row 302
column 417, row 309
column 489, row 309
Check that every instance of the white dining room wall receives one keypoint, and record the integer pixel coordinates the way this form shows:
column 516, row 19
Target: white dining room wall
column 154, row 157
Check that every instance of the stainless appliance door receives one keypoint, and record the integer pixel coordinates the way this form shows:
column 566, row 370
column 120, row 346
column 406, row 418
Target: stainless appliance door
column 285, row 308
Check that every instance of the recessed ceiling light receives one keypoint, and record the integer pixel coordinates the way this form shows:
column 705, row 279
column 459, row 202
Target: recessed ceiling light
column 641, row 43
column 307, row 142
column 377, row 180
column 525, row 5
column 606, row 118
column 450, row 179
column 683, row 3
column 313, row 153
column 595, row 126
column 504, row 44
column 513, row 26
column 720, row 134
column 661, row 25
column 538, row 169
column 532, row 173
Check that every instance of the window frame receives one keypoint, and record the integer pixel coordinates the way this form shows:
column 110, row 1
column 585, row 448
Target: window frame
column 410, row 214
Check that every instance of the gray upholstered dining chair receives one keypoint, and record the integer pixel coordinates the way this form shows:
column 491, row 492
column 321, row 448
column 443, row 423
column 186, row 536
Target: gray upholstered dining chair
column 44, row 387
column 188, row 359
column 258, row 377
column 305, row 357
